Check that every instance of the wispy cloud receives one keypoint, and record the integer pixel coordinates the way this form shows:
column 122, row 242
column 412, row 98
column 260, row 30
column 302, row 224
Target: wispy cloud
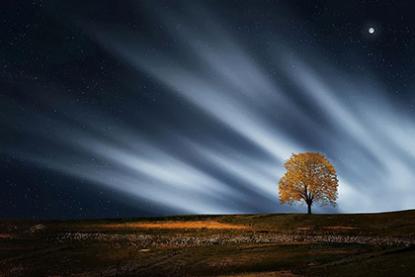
column 268, row 111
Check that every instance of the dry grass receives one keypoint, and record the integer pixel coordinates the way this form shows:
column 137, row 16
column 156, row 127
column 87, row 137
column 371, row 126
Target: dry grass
column 283, row 273
column 339, row 228
column 5, row 236
column 304, row 229
column 201, row 224
column 244, row 245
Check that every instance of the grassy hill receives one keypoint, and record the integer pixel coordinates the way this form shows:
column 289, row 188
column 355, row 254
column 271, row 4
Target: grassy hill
column 227, row 245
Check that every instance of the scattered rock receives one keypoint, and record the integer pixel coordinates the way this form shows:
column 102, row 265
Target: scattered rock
column 37, row 228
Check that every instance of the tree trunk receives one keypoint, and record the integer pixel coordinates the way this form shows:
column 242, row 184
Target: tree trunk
column 308, row 208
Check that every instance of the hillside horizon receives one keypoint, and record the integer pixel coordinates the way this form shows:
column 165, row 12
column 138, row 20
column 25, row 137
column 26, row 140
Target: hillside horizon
column 198, row 215
column 375, row 244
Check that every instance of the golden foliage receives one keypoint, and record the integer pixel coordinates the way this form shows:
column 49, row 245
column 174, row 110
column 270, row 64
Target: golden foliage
column 310, row 177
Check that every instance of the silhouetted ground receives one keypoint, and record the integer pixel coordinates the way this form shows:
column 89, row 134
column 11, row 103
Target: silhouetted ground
column 231, row 245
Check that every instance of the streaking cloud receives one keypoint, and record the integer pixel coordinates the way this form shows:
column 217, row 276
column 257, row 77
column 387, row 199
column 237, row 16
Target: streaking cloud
column 258, row 118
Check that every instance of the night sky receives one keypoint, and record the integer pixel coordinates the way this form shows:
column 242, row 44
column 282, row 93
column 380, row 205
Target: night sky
column 149, row 108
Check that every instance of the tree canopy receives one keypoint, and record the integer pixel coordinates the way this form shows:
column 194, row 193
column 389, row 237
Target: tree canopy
column 311, row 178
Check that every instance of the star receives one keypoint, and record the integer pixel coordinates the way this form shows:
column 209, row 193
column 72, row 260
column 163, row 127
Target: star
column 371, row 30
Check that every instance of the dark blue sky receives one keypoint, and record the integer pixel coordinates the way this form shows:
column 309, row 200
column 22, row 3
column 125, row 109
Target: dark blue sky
column 136, row 108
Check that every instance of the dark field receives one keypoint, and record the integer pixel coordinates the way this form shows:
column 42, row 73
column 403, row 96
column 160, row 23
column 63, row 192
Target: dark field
column 234, row 245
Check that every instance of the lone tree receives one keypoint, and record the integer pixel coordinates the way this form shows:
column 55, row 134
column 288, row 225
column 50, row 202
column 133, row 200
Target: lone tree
column 310, row 177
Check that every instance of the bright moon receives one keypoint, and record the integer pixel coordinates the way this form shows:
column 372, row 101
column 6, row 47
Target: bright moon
column 371, row 30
